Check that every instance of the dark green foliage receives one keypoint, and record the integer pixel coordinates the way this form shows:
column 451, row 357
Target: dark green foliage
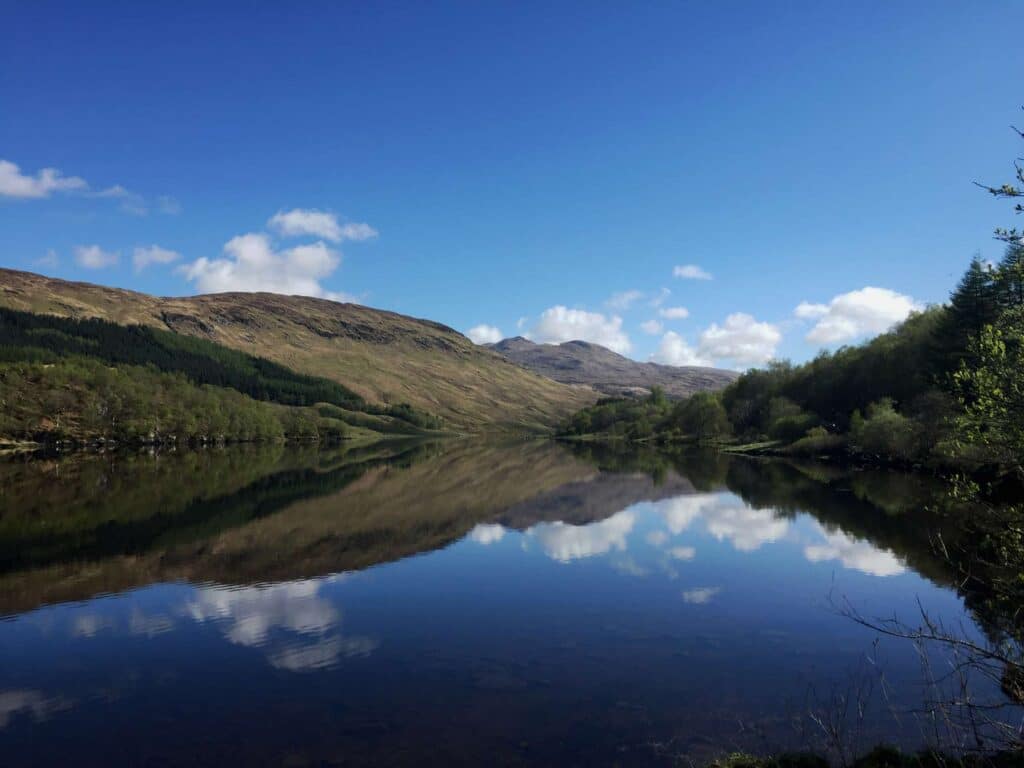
column 26, row 337
column 80, row 398
column 701, row 416
column 973, row 305
column 945, row 388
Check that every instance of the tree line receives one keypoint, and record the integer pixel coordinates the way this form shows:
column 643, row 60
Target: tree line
column 32, row 343
column 945, row 388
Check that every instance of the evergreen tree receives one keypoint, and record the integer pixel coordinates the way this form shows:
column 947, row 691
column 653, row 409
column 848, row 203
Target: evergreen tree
column 1010, row 277
column 973, row 306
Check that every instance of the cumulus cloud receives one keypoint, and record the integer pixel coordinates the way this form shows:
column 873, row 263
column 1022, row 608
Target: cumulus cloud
column 94, row 257
column 651, row 327
column 855, row 314
column 484, row 334
column 14, row 183
column 673, row 350
column 300, row 222
column 674, row 313
column 564, row 542
column 560, row 324
column 690, row 272
column 657, row 538
column 251, row 263
column 683, row 553
column 624, row 300
column 741, row 339
column 856, row 554
column 142, row 257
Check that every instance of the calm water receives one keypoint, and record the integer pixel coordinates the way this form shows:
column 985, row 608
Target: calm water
column 457, row 604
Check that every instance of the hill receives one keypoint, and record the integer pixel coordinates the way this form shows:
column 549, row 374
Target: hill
column 383, row 357
column 579, row 362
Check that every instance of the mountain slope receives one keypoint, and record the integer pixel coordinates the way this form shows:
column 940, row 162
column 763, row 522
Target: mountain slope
column 579, row 362
column 382, row 356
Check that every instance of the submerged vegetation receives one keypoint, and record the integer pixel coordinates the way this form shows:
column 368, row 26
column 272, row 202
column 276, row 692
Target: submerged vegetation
column 67, row 379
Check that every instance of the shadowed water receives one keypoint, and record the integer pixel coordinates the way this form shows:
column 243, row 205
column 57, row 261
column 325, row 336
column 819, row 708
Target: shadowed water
column 454, row 603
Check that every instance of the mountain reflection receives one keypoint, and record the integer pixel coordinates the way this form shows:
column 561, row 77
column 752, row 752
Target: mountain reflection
column 90, row 525
column 359, row 599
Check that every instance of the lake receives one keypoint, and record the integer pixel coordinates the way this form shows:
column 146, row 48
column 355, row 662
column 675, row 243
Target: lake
column 457, row 603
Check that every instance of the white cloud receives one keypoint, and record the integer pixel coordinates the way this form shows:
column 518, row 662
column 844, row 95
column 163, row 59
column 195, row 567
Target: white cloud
column 560, row 324
column 94, row 257
column 169, row 205
column 701, row 595
column 13, row 183
column 50, row 260
column 624, row 300
column 252, row 264
column 564, row 542
column 153, row 254
column 131, row 202
column 691, row 272
column 673, row 350
column 487, row 533
column 683, row 553
column 674, row 313
column 857, row 313
column 484, row 334
column 651, row 327
column 300, row 222
column 660, row 297
column 741, row 339
column 657, row 538
column 854, row 553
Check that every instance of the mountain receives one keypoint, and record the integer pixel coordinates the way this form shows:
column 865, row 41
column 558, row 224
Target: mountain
column 579, row 362
column 382, row 356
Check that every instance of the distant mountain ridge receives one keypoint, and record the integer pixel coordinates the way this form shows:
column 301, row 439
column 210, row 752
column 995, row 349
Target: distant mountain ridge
column 384, row 357
column 583, row 363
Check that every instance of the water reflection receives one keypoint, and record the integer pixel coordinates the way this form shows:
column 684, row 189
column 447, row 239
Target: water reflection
column 298, row 628
column 370, row 603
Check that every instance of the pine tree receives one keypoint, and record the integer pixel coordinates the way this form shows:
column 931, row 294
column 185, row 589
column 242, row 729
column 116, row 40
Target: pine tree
column 1010, row 277
column 973, row 306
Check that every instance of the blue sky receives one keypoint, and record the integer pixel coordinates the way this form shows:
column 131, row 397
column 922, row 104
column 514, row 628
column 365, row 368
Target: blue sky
column 517, row 165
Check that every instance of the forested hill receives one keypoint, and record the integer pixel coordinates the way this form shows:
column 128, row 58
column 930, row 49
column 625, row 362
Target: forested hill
column 69, row 379
column 943, row 389
column 383, row 357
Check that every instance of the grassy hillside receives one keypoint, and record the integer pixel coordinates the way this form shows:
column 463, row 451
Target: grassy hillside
column 381, row 356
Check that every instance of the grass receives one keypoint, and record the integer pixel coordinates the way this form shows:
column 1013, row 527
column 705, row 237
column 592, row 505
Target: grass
column 384, row 357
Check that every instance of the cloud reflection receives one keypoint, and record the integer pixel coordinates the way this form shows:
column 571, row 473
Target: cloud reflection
column 700, row 595
column 35, row 703
column 856, row 554
column 299, row 628
column 487, row 533
column 726, row 517
column 564, row 542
